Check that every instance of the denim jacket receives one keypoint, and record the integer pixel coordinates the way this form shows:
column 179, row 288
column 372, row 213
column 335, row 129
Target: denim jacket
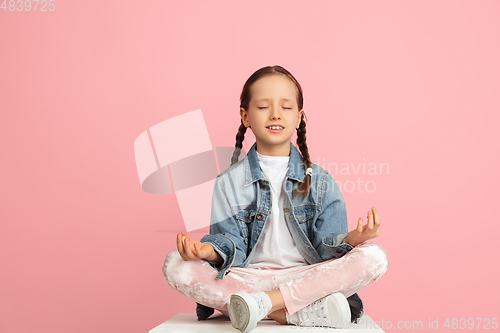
column 241, row 204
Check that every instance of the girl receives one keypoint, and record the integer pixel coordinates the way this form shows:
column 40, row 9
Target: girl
column 278, row 243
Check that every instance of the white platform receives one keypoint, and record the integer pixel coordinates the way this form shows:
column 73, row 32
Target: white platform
column 188, row 323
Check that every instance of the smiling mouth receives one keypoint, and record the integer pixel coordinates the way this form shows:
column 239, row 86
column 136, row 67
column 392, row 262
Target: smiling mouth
column 275, row 127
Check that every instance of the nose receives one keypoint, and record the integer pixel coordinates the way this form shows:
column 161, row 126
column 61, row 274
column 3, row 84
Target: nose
column 275, row 113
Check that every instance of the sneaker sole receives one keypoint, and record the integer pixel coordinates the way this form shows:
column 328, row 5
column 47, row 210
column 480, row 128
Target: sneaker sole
column 241, row 310
column 338, row 300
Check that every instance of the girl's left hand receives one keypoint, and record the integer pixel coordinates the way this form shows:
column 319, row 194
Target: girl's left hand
column 365, row 232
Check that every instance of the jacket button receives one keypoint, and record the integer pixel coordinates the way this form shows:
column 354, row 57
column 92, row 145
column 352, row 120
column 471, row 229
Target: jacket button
column 262, row 183
column 259, row 216
column 339, row 251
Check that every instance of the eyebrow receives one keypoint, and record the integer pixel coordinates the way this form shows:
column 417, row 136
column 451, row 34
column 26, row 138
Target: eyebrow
column 267, row 99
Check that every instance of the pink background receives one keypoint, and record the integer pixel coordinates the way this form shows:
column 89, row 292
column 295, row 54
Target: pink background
column 410, row 83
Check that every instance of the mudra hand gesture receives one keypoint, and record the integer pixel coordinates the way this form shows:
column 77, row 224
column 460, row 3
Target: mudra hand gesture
column 191, row 249
column 365, row 232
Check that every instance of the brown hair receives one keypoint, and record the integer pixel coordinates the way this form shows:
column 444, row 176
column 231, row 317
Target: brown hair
column 245, row 97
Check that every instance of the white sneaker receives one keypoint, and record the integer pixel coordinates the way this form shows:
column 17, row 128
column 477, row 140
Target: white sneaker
column 245, row 310
column 331, row 311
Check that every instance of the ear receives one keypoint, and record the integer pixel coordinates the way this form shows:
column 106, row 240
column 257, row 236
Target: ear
column 244, row 115
column 300, row 117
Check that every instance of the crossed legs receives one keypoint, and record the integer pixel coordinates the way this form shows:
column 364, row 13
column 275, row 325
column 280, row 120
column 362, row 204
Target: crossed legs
column 289, row 289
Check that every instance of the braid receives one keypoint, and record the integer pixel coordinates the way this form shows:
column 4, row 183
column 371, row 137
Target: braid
column 240, row 136
column 305, row 186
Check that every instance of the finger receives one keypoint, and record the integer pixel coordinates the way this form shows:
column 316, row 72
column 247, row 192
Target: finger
column 180, row 247
column 360, row 225
column 195, row 250
column 190, row 248
column 370, row 220
column 187, row 248
column 187, row 244
column 376, row 216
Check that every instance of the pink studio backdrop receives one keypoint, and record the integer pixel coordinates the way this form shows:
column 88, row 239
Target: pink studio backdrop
column 409, row 84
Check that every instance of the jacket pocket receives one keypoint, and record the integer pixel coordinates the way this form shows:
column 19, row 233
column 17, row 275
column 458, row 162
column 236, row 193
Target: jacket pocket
column 245, row 217
column 304, row 214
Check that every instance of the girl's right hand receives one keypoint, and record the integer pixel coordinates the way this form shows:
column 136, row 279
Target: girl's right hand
column 191, row 249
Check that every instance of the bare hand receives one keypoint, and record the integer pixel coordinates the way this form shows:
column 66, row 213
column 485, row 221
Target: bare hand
column 365, row 232
column 191, row 249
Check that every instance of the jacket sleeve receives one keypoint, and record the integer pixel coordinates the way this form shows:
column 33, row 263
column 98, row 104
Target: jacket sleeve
column 225, row 234
column 330, row 228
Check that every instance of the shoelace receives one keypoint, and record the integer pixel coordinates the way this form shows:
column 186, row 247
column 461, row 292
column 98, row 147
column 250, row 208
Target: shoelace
column 262, row 309
column 306, row 316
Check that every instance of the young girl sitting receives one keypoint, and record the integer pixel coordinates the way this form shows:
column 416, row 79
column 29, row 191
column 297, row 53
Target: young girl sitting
column 278, row 244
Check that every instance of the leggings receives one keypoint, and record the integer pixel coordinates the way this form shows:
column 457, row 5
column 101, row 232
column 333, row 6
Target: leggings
column 300, row 286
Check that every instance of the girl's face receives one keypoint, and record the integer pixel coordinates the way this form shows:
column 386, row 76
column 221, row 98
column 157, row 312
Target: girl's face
column 273, row 102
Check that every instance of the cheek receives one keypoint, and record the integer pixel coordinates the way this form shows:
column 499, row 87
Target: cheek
column 261, row 121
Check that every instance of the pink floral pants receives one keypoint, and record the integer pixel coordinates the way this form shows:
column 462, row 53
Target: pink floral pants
column 300, row 286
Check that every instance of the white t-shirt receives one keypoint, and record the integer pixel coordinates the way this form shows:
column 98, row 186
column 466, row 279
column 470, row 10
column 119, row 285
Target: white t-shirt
column 276, row 247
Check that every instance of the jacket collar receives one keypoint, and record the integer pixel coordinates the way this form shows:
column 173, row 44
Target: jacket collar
column 296, row 168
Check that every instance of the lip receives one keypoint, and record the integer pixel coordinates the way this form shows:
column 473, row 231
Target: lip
column 275, row 131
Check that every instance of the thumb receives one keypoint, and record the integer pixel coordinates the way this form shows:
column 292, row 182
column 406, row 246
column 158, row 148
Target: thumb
column 196, row 250
column 199, row 250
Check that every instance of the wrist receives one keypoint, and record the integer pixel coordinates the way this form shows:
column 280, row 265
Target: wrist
column 214, row 256
column 346, row 241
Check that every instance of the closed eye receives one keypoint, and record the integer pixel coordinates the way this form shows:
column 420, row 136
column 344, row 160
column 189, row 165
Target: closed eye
column 265, row 107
